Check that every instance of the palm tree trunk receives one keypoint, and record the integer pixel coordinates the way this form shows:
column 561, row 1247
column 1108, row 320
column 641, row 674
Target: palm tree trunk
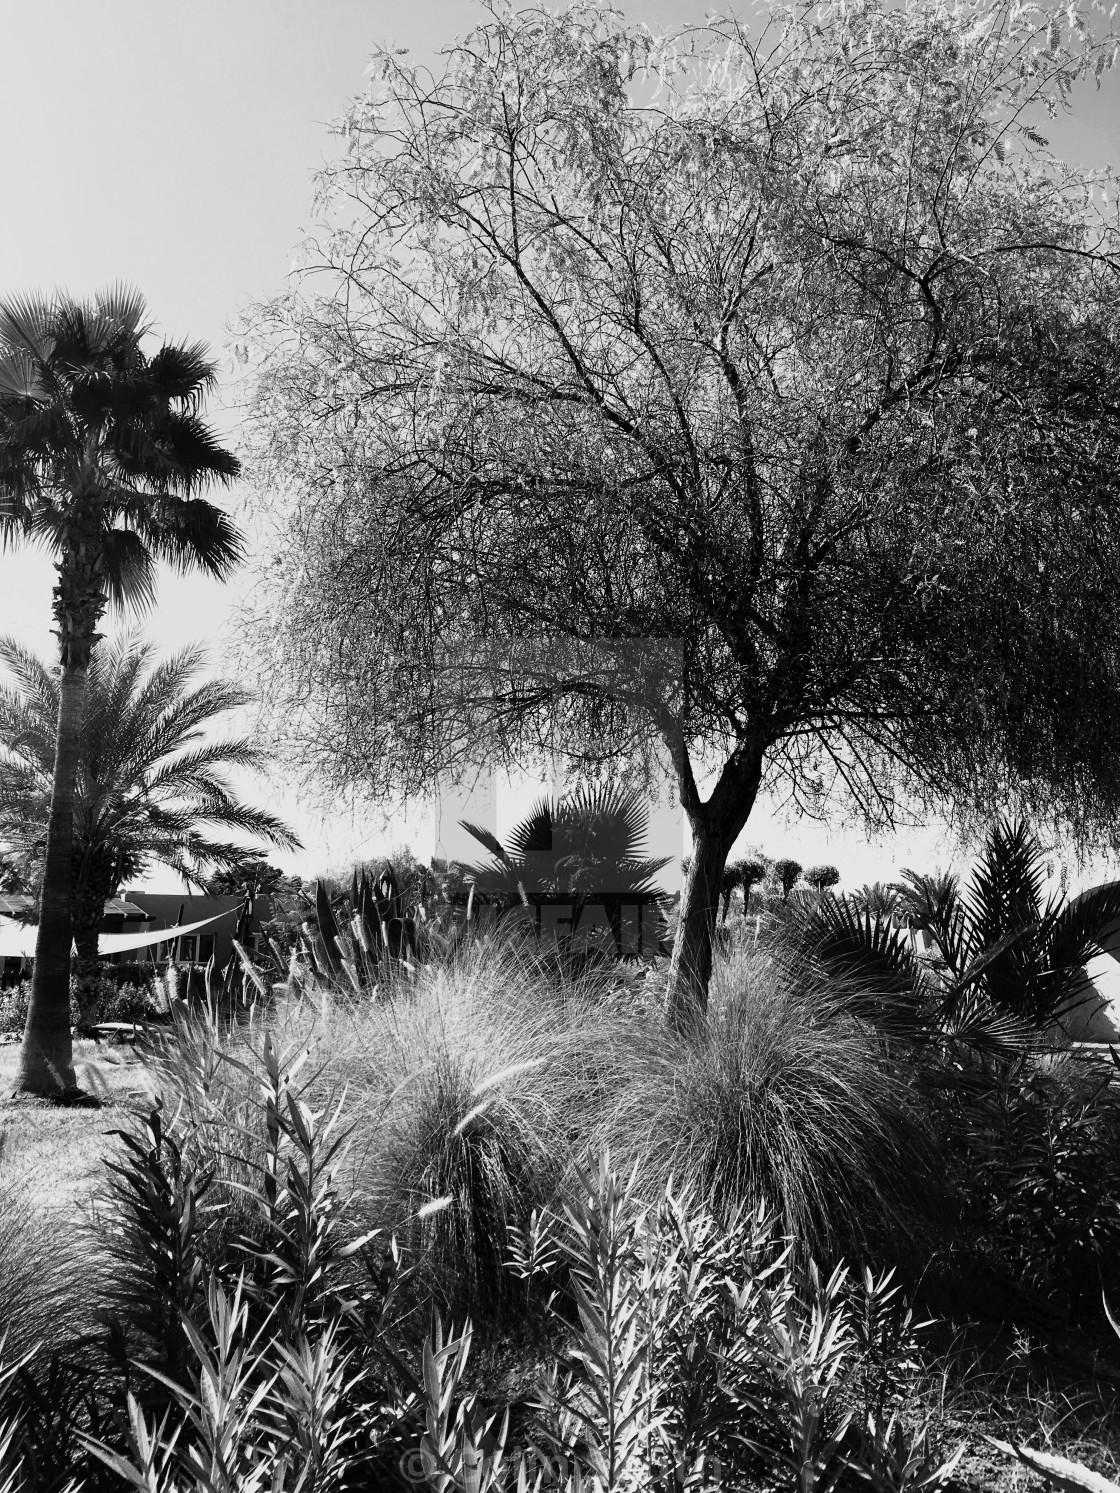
column 46, row 1064
column 88, row 897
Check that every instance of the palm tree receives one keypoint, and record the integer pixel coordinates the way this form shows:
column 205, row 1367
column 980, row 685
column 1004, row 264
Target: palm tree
column 149, row 783
column 1009, row 961
column 584, row 847
column 102, row 455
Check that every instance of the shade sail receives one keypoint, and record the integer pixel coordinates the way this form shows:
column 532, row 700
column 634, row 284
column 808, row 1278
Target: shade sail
column 17, row 940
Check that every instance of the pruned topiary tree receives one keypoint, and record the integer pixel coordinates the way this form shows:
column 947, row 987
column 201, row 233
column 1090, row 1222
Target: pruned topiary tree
column 786, row 873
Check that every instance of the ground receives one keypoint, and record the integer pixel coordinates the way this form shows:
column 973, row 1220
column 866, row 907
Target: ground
column 63, row 1147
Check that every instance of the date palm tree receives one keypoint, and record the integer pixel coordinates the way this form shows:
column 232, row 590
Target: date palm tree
column 102, row 456
column 150, row 783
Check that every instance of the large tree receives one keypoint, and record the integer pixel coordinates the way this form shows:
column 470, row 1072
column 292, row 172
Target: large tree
column 151, row 784
column 754, row 394
column 102, row 455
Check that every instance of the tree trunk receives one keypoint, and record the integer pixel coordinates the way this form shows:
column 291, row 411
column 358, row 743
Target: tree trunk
column 715, row 825
column 88, row 913
column 691, row 966
column 46, row 1064
column 94, row 881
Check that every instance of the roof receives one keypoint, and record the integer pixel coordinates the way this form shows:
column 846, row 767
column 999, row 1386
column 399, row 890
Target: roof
column 15, row 904
column 120, row 907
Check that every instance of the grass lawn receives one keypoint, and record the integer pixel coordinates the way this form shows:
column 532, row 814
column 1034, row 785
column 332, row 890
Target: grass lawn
column 62, row 1148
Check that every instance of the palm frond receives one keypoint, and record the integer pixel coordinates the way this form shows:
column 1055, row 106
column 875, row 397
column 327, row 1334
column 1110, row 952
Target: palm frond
column 26, row 324
column 136, row 800
column 534, row 835
column 489, row 841
column 130, row 576
column 124, row 306
column 1077, row 929
column 183, row 372
column 189, row 533
column 886, row 982
column 1007, row 885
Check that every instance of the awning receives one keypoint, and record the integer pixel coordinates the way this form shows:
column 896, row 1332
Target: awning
column 17, row 940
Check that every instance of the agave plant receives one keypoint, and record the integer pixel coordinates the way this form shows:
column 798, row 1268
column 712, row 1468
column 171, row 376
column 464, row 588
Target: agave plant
column 1008, row 961
column 585, row 847
column 358, row 936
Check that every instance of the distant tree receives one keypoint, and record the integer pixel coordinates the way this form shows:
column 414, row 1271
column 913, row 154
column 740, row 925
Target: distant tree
column 732, row 880
column 820, row 878
column 753, row 870
column 926, row 899
column 742, row 874
column 149, row 781
column 878, row 899
column 798, row 349
column 786, row 873
column 250, row 874
column 102, row 456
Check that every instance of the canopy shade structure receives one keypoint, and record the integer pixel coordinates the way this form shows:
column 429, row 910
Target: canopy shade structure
column 17, row 940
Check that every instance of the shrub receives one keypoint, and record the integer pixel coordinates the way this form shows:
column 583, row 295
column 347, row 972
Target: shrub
column 1037, row 1148
column 14, row 1002
column 780, row 1095
column 476, row 1086
column 41, row 1258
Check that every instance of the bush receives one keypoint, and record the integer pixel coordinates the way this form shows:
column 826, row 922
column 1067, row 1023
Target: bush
column 701, row 1356
column 1036, row 1143
column 780, row 1096
column 472, row 1086
column 14, row 1002
column 41, row 1259
column 702, row 1351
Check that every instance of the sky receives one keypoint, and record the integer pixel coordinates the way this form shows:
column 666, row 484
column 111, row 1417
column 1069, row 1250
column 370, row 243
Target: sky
column 173, row 147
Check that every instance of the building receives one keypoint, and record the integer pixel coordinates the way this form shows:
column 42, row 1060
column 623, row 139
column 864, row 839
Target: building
column 140, row 913
column 166, row 909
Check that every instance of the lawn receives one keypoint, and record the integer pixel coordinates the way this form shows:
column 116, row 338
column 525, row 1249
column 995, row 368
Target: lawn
column 62, row 1148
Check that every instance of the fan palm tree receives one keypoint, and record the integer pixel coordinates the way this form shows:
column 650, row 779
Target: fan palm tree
column 1009, row 961
column 102, row 455
column 584, row 847
column 149, row 784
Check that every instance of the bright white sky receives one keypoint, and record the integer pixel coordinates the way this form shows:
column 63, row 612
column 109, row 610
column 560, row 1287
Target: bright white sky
column 172, row 146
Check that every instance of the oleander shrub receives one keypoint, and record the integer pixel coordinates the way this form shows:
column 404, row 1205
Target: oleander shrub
column 1034, row 1143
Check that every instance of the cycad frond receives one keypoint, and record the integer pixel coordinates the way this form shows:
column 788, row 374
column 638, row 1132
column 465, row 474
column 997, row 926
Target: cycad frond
column 874, row 959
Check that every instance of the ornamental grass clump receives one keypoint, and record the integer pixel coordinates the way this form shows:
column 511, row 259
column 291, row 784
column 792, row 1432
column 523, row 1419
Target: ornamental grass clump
column 42, row 1252
column 482, row 1077
column 780, row 1094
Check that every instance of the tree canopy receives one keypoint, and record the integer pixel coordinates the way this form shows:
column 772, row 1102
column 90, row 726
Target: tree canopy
column 151, row 783
column 103, row 456
column 754, row 395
